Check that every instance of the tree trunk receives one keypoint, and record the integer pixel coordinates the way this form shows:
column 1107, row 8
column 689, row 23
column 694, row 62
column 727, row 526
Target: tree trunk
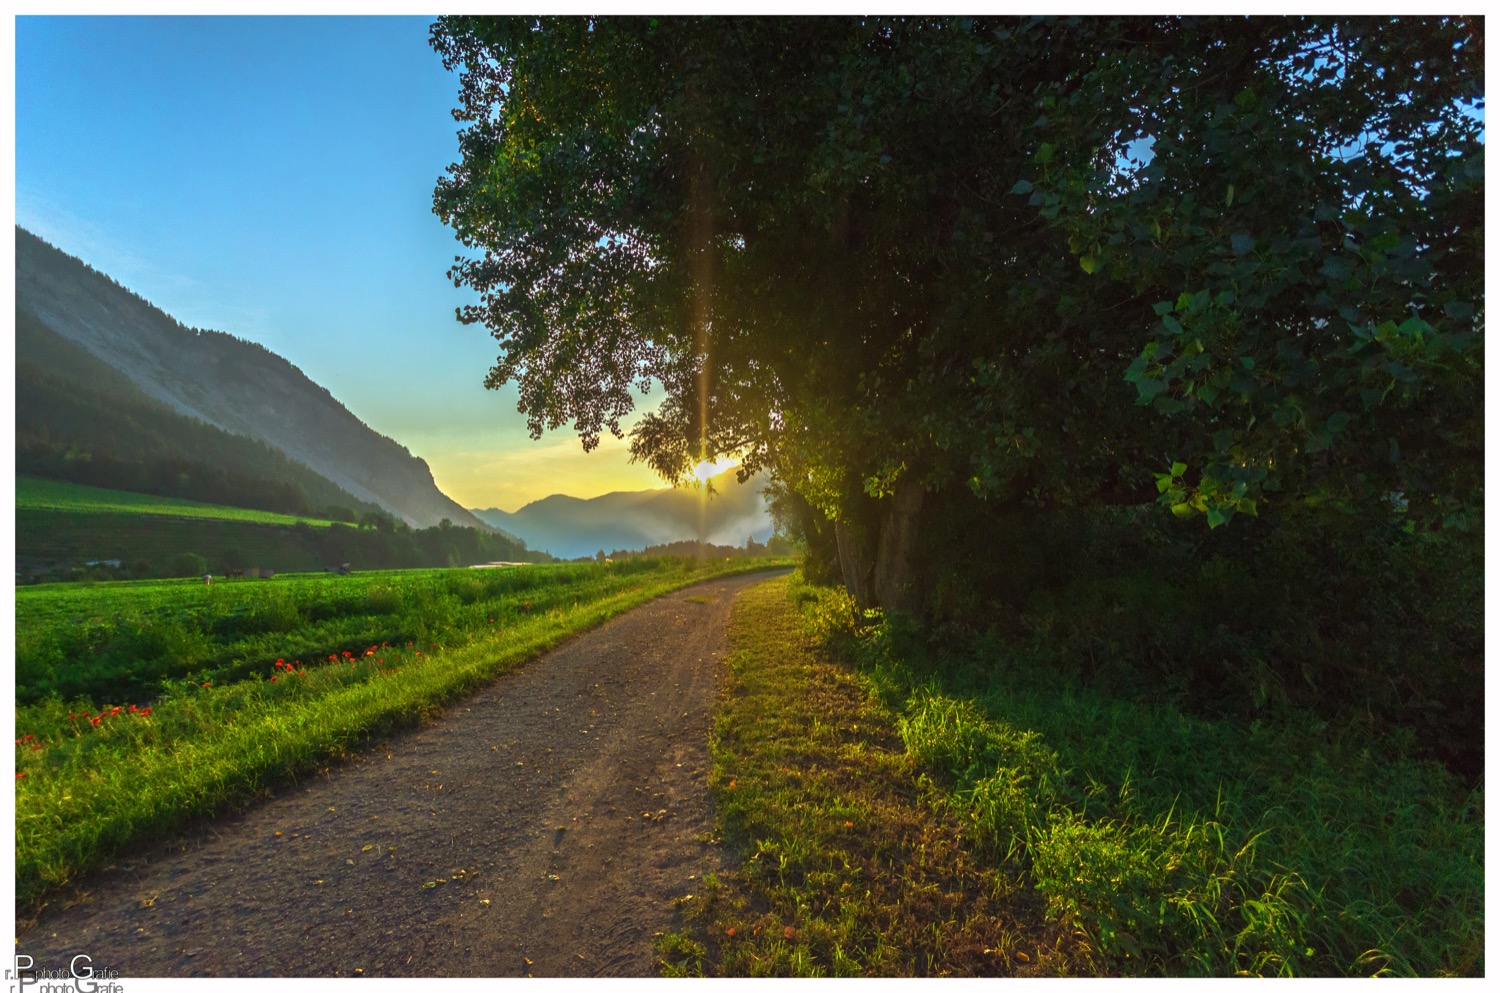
column 899, row 581
column 881, row 549
column 856, row 560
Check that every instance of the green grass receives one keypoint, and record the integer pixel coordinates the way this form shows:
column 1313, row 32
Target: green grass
column 852, row 865
column 119, row 641
column 43, row 494
column 1181, row 845
column 85, row 792
column 1151, row 841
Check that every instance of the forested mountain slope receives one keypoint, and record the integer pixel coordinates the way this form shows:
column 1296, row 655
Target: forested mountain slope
column 236, row 386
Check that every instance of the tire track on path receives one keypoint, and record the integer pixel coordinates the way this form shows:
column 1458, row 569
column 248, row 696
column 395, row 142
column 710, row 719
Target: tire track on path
column 543, row 826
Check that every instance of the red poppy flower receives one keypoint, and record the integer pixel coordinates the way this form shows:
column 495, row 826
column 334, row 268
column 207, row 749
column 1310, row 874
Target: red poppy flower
column 94, row 721
column 273, row 679
column 19, row 775
column 72, row 717
column 146, row 712
column 207, row 685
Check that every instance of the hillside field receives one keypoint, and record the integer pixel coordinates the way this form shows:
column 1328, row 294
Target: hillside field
column 60, row 526
column 49, row 495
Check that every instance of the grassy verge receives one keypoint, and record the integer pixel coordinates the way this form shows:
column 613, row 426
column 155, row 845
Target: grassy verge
column 853, row 865
column 88, row 787
column 1129, row 837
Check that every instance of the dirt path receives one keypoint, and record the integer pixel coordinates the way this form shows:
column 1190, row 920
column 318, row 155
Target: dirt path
column 542, row 827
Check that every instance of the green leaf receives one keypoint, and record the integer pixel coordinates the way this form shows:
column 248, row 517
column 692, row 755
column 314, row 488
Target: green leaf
column 1163, row 308
column 1090, row 263
column 1337, row 268
column 1045, row 153
column 1413, row 327
column 1229, row 197
column 1149, row 389
column 1023, row 186
column 1171, row 323
column 1178, row 468
column 1241, row 243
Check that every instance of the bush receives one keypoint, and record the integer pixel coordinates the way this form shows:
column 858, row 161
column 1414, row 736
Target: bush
column 187, row 564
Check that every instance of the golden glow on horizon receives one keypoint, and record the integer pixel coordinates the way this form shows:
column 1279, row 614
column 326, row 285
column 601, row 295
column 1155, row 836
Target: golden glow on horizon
column 705, row 471
column 508, row 476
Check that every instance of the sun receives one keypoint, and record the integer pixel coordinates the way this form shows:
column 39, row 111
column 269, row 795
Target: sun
column 705, row 471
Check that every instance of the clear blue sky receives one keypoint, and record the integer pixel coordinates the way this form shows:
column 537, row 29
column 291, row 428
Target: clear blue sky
column 272, row 177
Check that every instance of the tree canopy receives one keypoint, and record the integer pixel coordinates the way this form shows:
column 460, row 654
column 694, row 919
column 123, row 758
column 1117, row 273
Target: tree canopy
column 920, row 267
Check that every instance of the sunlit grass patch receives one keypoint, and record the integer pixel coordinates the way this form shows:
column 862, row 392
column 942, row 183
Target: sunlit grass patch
column 48, row 494
column 851, row 866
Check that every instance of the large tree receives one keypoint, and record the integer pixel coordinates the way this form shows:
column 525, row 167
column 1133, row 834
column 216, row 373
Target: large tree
column 931, row 270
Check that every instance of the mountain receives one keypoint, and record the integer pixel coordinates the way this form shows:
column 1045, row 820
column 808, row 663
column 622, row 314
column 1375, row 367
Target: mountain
column 236, row 386
column 570, row 527
column 79, row 420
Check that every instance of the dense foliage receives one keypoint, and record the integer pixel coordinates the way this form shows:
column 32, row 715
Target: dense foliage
column 1024, row 311
column 944, row 277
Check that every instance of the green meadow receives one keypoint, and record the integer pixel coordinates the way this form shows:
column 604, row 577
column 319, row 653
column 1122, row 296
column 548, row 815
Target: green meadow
column 289, row 675
column 46, row 494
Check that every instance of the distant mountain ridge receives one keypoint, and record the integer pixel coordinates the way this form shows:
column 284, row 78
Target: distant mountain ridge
column 570, row 527
column 237, row 386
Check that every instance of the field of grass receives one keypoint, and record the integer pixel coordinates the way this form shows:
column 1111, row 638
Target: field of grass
column 46, row 494
column 98, row 774
column 119, row 641
column 1152, row 842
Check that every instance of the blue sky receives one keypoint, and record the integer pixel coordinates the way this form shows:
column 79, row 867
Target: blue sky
column 272, row 177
